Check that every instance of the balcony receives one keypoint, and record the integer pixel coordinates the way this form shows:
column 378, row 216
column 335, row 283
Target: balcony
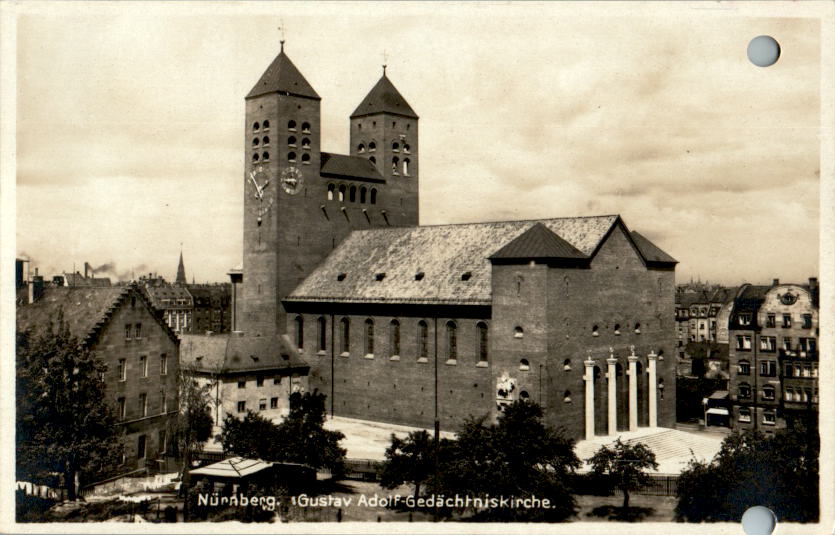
column 798, row 354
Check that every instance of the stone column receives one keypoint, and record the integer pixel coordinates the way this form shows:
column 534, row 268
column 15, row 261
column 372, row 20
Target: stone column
column 589, row 378
column 653, row 389
column 613, row 393
column 633, row 391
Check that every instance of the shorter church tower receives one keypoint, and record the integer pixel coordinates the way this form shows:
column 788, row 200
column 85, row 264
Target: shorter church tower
column 384, row 129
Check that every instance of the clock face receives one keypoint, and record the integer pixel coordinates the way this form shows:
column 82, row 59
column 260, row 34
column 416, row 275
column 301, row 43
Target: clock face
column 258, row 186
column 292, row 180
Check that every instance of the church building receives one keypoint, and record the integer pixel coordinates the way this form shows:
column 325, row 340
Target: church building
column 429, row 325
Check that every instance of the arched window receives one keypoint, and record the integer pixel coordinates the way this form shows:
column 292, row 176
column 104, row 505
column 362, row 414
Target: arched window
column 594, row 331
column 423, row 340
column 363, row 194
column 524, row 365
column 291, row 141
column 256, row 126
column 406, row 167
column 322, row 333
column 406, row 148
column 369, row 336
column 342, row 193
column 265, row 156
column 305, row 143
column 744, row 414
column 483, row 341
column 352, row 195
column 394, row 162
column 744, row 368
column 394, row 338
column 306, row 127
column 518, row 332
column 372, row 147
column 617, row 328
column 373, row 196
column 345, row 334
column 299, row 332
column 373, row 160
column 255, row 141
column 361, row 148
column 255, row 157
column 744, row 391
column 637, row 328
column 291, row 157
column 395, row 146
column 524, row 395
column 306, row 158
column 566, row 396
column 566, row 365
column 291, row 125
column 266, row 126
column 265, row 141
column 451, row 340
column 768, row 392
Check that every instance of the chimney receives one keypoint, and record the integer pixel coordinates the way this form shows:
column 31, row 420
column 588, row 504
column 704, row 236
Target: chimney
column 86, row 269
column 775, row 282
column 813, row 283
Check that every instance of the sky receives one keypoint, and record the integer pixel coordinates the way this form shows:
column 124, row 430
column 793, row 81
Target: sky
column 130, row 126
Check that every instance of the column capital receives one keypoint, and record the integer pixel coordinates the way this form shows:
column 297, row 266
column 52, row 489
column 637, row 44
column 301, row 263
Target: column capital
column 589, row 362
column 652, row 355
column 632, row 358
column 611, row 361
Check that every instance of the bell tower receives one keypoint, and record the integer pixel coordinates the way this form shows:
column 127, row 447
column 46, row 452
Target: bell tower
column 384, row 129
column 281, row 159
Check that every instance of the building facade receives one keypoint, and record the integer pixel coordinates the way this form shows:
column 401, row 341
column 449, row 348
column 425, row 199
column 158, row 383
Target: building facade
column 774, row 355
column 141, row 355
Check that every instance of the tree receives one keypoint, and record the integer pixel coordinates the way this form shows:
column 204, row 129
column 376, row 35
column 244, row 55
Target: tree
column 299, row 438
column 64, row 424
column 624, row 464
column 408, row 460
column 252, row 436
column 302, row 437
column 779, row 472
column 193, row 425
column 518, row 456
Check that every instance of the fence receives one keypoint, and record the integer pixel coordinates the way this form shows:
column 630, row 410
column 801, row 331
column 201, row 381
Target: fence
column 661, row 485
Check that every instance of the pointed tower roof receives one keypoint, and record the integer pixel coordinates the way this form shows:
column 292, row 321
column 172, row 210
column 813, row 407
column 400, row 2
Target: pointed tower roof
column 181, row 271
column 538, row 242
column 384, row 98
column 283, row 77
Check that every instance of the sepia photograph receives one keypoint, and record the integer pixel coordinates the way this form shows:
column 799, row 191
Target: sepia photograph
column 308, row 265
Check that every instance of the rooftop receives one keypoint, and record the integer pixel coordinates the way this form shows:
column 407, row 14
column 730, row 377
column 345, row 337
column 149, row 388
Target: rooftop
column 384, row 98
column 235, row 353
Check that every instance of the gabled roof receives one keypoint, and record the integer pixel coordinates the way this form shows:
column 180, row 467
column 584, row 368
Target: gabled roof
column 538, row 242
column 85, row 310
column 341, row 165
column 79, row 280
column 235, row 353
column 283, row 77
column 444, row 254
column 234, row 467
column 384, row 98
column 651, row 253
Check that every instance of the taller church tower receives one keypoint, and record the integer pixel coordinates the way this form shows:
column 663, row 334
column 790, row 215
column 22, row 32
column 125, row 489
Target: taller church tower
column 300, row 203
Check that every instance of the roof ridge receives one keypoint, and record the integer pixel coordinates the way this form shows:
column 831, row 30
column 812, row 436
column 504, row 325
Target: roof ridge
column 540, row 220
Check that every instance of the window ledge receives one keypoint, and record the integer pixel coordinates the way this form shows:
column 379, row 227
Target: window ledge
column 451, row 362
column 394, row 357
column 423, row 360
column 524, row 368
column 344, row 354
column 321, row 352
column 369, row 356
column 482, row 364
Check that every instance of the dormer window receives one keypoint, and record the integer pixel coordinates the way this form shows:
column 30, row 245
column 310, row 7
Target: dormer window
column 341, row 277
column 419, row 276
column 306, row 128
column 466, row 275
column 379, row 276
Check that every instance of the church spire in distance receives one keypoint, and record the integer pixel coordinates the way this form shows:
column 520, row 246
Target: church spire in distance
column 181, row 271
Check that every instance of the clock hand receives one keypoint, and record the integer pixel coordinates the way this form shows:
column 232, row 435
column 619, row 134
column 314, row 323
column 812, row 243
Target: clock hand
column 258, row 190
